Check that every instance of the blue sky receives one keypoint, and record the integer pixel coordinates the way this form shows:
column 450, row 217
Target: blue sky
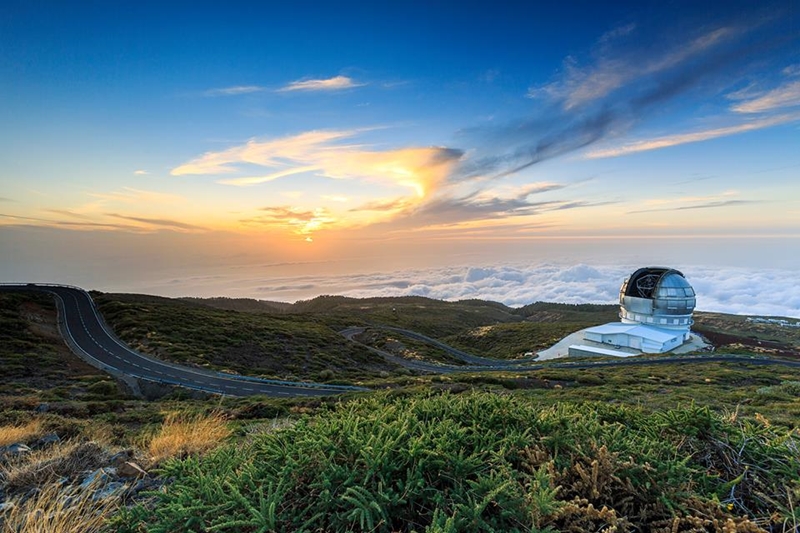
column 309, row 131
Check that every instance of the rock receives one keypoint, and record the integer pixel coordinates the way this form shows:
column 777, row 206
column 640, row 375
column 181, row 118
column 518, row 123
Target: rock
column 146, row 484
column 42, row 408
column 46, row 441
column 97, row 478
column 14, row 450
column 130, row 469
column 111, row 489
column 120, row 458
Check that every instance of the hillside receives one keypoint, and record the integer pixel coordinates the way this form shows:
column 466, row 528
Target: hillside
column 276, row 346
column 678, row 447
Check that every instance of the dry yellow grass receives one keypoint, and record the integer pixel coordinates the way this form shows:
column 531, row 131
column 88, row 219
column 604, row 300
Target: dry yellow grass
column 63, row 460
column 20, row 432
column 182, row 435
column 99, row 432
column 59, row 510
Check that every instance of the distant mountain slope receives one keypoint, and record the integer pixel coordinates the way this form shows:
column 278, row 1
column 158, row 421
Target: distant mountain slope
column 301, row 340
column 269, row 345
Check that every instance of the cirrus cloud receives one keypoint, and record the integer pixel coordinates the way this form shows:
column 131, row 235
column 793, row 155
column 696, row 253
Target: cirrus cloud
column 235, row 90
column 336, row 83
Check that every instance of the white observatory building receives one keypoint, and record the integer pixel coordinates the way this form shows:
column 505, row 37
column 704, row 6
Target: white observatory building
column 656, row 306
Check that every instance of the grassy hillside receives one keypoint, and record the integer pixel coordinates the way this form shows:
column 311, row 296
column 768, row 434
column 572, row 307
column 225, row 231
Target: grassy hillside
column 677, row 447
column 484, row 328
column 740, row 334
column 551, row 312
column 487, row 462
column 425, row 315
column 300, row 341
column 36, row 364
column 512, row 341
column 279, row 346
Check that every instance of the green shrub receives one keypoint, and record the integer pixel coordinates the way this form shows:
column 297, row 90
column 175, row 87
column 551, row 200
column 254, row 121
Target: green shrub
column 481, row 462
column 785, row 389
column 103, row 388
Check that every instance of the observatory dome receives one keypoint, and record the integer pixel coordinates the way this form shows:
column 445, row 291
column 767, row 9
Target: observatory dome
column 659, row 297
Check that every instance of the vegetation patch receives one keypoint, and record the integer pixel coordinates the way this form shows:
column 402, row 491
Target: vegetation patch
column 33, row 357
column 277, row 346
column 405, row 347
column 514, row 340
column 741, row 334
column 54, row 509
column 21, row 432
column 181, row 435
column 483, row 462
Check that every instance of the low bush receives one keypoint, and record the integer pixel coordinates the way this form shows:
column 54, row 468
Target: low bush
column 484, row 462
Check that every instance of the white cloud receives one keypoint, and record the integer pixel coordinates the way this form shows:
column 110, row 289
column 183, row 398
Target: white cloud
column 140, row 172
column 791, row 70
column 619, row 68
column 271, row 153
column 235, row 90
column 336, row 83
column 335, row 198
column 728, row 290
column 693, row 137
column 787, row 95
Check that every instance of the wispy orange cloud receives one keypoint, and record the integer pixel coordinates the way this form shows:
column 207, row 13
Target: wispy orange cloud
column 157, row 222
column 130, row 195
column 255, row 180
column 300, row 221
column 421, row 169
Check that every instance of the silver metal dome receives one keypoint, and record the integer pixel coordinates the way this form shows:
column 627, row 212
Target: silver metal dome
column 657, row 296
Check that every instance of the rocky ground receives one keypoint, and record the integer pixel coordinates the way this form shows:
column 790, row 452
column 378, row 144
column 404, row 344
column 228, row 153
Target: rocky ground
column 44, row 473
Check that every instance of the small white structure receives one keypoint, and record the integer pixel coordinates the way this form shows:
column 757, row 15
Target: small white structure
column 656, row 306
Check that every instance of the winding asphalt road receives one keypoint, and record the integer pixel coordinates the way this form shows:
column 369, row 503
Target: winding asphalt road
column 88, row 336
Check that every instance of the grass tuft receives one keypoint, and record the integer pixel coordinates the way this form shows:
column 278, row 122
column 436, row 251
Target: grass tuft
column 66, row 460
column 55, row 509
column 181, row 435
column 11, row 434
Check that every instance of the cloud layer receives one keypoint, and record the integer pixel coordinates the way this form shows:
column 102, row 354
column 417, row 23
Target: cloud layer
column 727, row 290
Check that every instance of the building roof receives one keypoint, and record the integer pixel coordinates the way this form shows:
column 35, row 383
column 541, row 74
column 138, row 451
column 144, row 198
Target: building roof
column 636, row 330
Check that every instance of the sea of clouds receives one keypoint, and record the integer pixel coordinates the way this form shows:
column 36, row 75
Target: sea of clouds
column 727, row 290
